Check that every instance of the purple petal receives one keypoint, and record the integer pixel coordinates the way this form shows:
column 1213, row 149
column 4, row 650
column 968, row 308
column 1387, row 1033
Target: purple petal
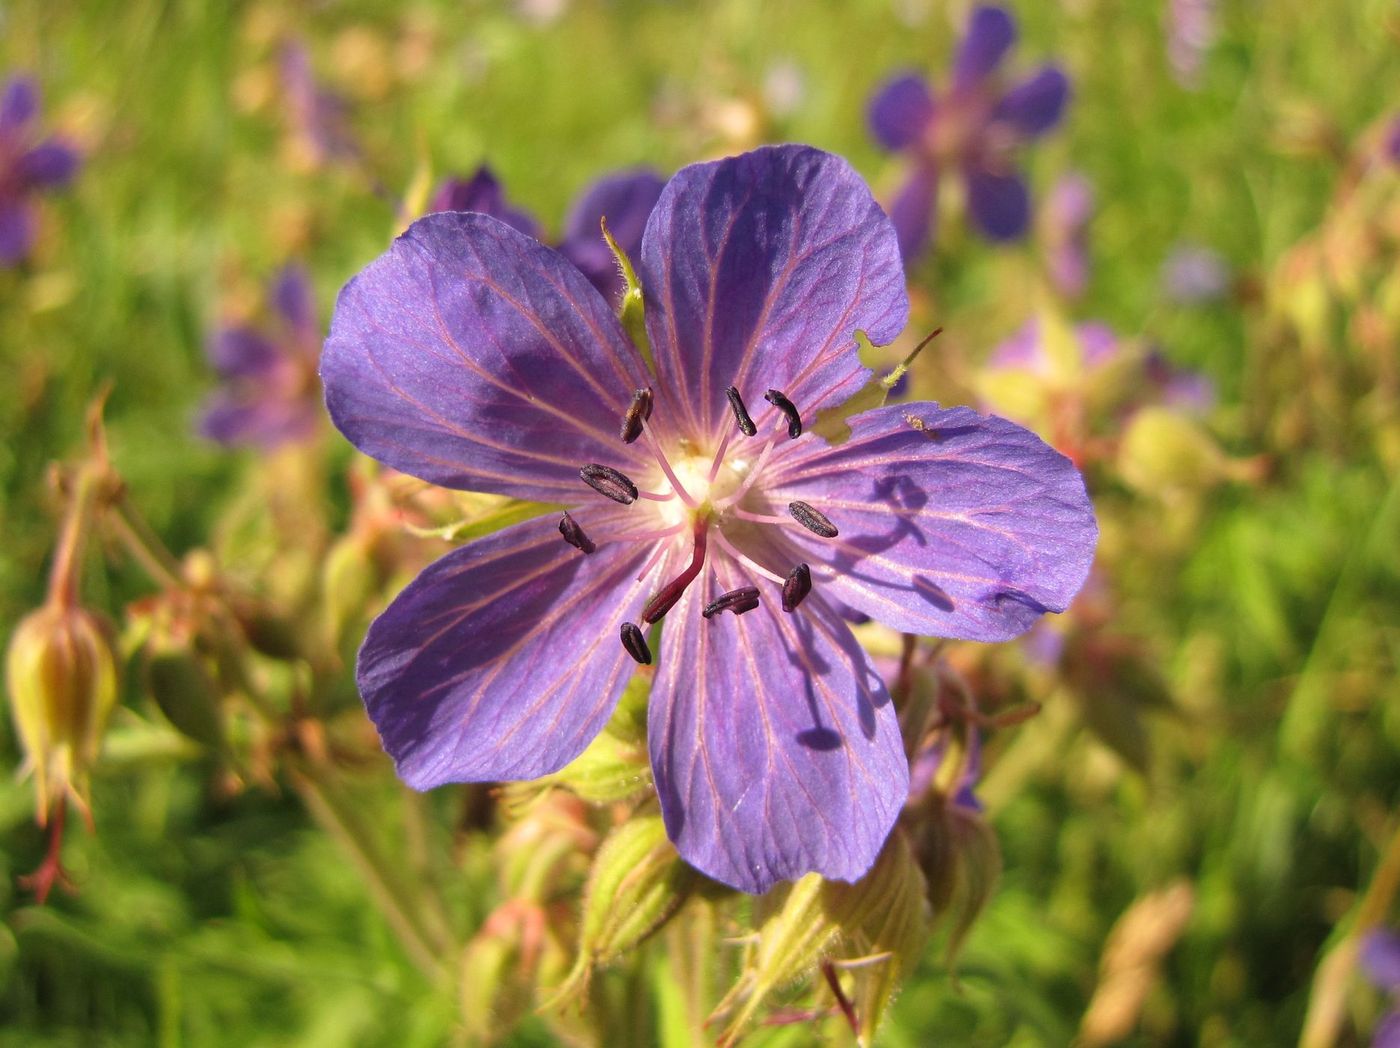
column 501, row 660
column 968, row 527
column 1380, row 958
column 990, row 33
column 261, row 418
column 243, row 352
column 49, row 164
column 1035, row 105
column 1387, row 1031
column 901, row 111
column 625, row 201
column 474, row 357
column 1024, row 349
column 913, row 212
column 1193, row 274
column 1000, row 205
column 19, row 104
column 18, row 226
column 483, row 194
column 294, row 300
column 759, row 270
column 775, row 746
column 1099, row 344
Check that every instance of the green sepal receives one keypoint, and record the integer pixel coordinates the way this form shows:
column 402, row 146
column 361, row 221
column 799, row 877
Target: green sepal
column 637, row 883
column 832, row 423
column 632, row 310
column 486, row 514
column 186, row 694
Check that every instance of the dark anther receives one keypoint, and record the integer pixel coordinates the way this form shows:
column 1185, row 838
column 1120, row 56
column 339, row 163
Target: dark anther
column 813, row 520
column 638, row 413
column 573, row 534
column 797, row 586
column 787, row 407
column 609, row 483
column 635, row 643
column 738, row 601
column 741, row 413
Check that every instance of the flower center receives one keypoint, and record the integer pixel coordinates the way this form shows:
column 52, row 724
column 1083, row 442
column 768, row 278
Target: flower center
column 696, row 499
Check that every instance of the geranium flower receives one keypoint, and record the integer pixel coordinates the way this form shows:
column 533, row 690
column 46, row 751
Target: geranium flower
column 28, row 164
column 976, row 128
column 1065, row 229
column 699, row 503
column 269, row 394
column 1380, row 960
column 482, row 193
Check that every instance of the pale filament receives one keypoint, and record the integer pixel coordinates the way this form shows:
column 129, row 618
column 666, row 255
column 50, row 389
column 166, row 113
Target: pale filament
column 764, row 518
column 678, row 487
column 746, row 560
column 755, row 470
column 719, row 455
column 655, row 496
column 638, row 536
column 662, row 549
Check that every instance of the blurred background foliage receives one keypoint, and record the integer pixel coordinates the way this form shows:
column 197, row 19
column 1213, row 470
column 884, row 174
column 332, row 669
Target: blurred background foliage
column 1190, row 826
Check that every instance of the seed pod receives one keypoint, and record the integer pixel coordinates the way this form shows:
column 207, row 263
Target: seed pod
column 61, row 671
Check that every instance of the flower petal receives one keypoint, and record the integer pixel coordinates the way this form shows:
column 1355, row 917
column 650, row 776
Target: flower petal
column 474, row 357
column 243, row 352
column 774, row 744
column 49, row 164
column 483, row 194
column 990, row 33
column 900, row 112
column 19, row 104
column 1035, row 105
column 626, row 201
column 1000, row 204
column 758, row 271
column 294, row 299
column 501, row 660
column 249, row 416
column 913, row 212
column 953, row 525
column 18, row 226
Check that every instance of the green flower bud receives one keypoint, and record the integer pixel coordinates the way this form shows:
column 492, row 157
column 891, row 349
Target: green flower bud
column 185, row 692
column 1164, row 452
column 615, row 766
column 61, row 672
column 637, row 884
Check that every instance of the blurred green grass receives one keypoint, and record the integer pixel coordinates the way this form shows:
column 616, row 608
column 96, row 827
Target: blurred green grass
column 206, row 922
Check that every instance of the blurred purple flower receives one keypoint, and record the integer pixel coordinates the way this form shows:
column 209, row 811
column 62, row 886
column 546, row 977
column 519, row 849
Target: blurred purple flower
column 927, row 763
column 320, row 118
column 624, row 199
column 1392, row 141
column 28, row 163
column 1027, row 350
column 1380, row 960
column 1193, row 274
column 483, row 194
column 1068, row 209
column 976, row 128
column 1190, row 34
column 269, row 394
column 1189, row 391
column 475, row 358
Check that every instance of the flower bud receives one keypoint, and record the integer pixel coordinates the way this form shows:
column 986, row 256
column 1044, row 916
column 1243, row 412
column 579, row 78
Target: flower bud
column 637, row 883
column 615, row 766
column 1163, row 452
column 61, row 672
column 185, row 692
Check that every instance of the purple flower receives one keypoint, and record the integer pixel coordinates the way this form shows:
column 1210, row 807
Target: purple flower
column 624, row 199
column 1192, row 275
column 483, row 194
column 1380, row 959
column 699, row 504
column 28, row 163
column 976, row 128
column 1068, row 209
column 320, row 118
column 269, row 394
column 1190, row 34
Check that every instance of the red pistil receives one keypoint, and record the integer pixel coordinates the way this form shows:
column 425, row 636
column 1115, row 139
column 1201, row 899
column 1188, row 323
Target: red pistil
column 664, row 601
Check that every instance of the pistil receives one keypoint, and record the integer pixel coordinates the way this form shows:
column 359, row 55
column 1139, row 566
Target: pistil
column 664, row 601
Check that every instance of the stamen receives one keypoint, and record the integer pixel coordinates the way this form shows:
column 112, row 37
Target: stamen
column 747, row 561
column 609, row 483
column 638, row 413
column 741, row 413
column 718, row 460
column 813, row 520
column 753, row 473
column 573, row 534
column 797, row 586
column 665, row 463
column 738, row 601
column 794, row 420
column 636, row 643
column 664, row 601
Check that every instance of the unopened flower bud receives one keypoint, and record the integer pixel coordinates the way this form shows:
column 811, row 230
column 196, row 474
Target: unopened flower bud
column 61, row 672
column 1163, row 451
column 185, row 692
